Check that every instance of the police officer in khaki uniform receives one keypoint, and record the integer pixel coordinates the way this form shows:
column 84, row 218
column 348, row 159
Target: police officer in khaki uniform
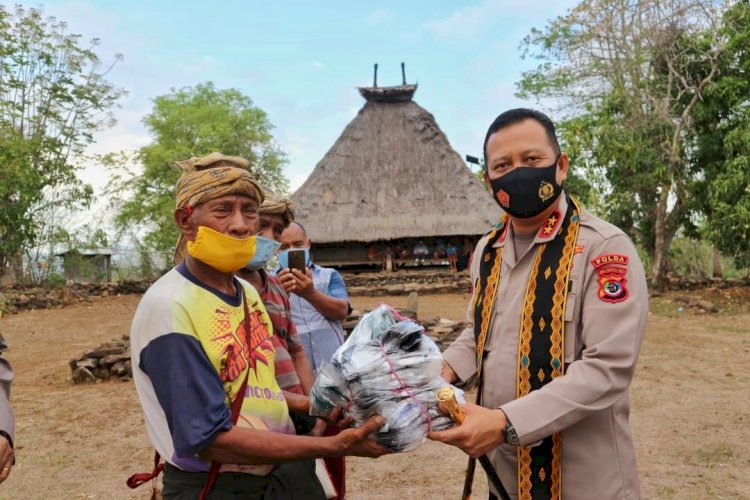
column 7, row 418
column 558, row 315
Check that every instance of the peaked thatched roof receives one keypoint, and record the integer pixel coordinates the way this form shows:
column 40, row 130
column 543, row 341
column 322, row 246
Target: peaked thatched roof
column 399, row 93
column 392, row 174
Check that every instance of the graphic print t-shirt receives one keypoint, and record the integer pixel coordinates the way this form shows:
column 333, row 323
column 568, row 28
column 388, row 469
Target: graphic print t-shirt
column 190, row 355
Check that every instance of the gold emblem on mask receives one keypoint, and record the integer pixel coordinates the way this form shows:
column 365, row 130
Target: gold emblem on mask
column 546, row 191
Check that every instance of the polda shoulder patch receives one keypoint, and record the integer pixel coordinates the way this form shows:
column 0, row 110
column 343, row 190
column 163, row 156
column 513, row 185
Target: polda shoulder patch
column 612, row 269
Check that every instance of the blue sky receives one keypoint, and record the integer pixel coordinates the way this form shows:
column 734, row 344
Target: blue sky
column 302, row 61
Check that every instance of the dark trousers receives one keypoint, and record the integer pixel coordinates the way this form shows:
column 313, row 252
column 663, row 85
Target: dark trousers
column 288, row 480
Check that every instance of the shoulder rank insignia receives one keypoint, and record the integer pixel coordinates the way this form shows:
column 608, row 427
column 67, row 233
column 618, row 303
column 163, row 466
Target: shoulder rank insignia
column 551, row 226
column 611, row 269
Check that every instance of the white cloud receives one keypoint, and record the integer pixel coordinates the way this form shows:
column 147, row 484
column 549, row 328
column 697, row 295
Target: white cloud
column 295, row 143
column 304, row 150
column 379, row 16
column 128, row 134
column 462, row 23
column 307, row 131
column 468, row 22
column 319, row 65
column 202, row 66
column 500, row 97
column 296, row 180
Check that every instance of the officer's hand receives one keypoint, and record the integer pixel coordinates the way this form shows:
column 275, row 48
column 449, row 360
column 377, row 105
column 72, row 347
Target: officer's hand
column 448, row 374
column 6, row 458
column 481, row 431
column 356, row 441
column 304, row 286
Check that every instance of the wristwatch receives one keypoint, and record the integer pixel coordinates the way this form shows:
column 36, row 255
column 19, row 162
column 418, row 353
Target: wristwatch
column 510, row 434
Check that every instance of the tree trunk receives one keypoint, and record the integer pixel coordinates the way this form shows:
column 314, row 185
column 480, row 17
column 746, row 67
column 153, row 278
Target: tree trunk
column 648, row 199
column 717, row 273
column 17, row 264
column 662, row 241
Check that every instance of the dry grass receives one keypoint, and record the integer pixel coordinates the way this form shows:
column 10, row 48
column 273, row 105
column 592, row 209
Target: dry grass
column 690, row 411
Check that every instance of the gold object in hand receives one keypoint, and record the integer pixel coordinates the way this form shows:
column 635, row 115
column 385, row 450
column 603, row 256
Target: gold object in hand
column 448, row 403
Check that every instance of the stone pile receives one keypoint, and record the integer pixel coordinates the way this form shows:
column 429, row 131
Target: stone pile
column 25, row 297
column 110, row 360
column 681, row 283
column 442, row 331
column 405, row 289
column 699, row 305
column 405, row 282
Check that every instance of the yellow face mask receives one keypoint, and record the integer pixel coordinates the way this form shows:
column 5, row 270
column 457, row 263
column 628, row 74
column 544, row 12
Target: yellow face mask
column 222, row 252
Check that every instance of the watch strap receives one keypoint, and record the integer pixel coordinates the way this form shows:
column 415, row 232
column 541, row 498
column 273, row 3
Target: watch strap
column 509, row 433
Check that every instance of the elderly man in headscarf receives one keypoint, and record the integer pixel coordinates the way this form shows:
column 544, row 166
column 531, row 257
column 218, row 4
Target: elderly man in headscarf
column 203, row 357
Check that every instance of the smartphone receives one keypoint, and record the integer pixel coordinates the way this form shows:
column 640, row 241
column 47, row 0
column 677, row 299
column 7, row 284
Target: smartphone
column 297, row 259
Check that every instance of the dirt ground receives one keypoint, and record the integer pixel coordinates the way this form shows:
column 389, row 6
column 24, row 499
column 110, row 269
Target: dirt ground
column 690, row 409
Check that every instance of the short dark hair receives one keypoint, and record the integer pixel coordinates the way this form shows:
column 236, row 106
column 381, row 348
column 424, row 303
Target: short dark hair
column 513, row 116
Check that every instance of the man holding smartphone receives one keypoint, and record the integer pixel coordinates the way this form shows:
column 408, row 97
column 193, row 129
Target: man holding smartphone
column 318, row 296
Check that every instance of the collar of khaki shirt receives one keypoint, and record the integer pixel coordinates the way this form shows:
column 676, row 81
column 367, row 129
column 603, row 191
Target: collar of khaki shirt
column 562, row 208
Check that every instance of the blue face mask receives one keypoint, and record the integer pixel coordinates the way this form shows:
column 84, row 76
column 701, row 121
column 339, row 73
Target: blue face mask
column 264, row 250
column 284, row 257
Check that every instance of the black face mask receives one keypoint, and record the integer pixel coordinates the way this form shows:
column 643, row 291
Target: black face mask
column 527, row 191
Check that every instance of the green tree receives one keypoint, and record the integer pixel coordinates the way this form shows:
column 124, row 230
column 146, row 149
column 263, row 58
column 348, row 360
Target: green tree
column 53, row 96
column 722, row 148
column 192, row 121
column 630, row 74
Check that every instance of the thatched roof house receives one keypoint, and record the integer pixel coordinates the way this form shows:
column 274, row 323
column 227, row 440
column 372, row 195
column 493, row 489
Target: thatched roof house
column 392, row 175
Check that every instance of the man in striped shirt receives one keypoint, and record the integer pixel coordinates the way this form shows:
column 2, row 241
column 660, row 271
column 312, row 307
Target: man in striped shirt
column 319, row 303
column 294, row 372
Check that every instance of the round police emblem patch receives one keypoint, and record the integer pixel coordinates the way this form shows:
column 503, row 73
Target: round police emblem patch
column 546, row 190
column 612, row 288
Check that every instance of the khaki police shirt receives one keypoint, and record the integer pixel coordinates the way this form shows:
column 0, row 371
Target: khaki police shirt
column 589, row 403
column 7, row 418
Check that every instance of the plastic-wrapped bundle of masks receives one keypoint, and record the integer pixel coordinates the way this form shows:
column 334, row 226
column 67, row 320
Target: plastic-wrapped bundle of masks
column 390, row 368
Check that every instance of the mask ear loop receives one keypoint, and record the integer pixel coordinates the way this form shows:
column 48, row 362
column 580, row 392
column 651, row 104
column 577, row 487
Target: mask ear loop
column 189, row 210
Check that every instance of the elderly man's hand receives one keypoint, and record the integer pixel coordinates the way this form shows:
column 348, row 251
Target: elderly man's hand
column 319, row 428
column 480, row 432
column 6, row 458
column 339, row 418
column 356, row 441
